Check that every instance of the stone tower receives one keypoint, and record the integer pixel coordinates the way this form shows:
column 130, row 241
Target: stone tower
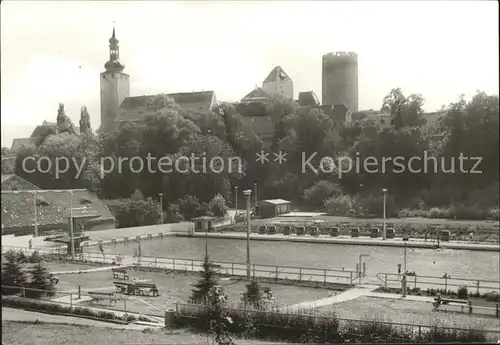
column 340, row 79
column 278, row 83
column 115, row 86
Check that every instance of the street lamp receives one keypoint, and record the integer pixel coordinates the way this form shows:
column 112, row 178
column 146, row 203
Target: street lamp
column 255, row 191
column 384, row 190
column 236, row 201
column 161, row 207
column 71, row 224
column 248, row 193
column 404, row 262
column 36, row 215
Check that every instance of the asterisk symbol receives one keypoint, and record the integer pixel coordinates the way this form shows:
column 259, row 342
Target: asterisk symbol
column 262, row 157
column 280, row 157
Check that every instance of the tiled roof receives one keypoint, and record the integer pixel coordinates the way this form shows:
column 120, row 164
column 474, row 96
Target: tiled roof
column 256, row 95
column 133, row 108
column 308, row 98
column 20, row 142
column 53, row 207
column 277, row 74
column 7, row 177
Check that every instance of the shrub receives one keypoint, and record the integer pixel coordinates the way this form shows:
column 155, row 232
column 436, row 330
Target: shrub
column 340, row 205
column 217, row 206
column 317, row 194
column 462, row 292
column 494, row 213
column 437, row 212
column 492, row 296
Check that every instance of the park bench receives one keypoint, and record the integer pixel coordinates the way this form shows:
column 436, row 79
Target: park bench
column 301, row 230
column 450, row 301
column 314, row 231
column 271, row 230
column 144, row 289
column 334, row 232
column 120, row 273
column 101, row 296
column 262, row 230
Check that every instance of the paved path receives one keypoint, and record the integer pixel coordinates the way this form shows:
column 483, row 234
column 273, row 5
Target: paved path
column 19, row 315
column 91, row 270
column 358, row 291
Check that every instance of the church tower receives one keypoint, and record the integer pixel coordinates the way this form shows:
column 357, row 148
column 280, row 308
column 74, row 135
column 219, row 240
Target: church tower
column 115, row 86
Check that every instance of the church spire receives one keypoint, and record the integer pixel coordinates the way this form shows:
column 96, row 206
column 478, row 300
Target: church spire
column 114, row 64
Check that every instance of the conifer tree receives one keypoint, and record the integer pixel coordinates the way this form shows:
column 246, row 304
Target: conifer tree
column 219, row 318
column 253, row 296
column 40, row 280
column 205, row 284
column 12, row 273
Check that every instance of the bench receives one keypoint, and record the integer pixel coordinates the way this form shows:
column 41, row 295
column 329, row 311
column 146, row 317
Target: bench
column 101, row 296
column 120, row 273
column 144, row 288
column 449, row 301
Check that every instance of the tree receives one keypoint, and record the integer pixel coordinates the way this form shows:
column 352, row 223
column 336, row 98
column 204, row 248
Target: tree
column 64, row 123
column 131, row 213
column 218, row 315
column 12, row 273
column 405, row 111
column 205, row 284
column 84, row 121
column 253, row 296
column 40, row 280
column 320, row 191
column 218, row 206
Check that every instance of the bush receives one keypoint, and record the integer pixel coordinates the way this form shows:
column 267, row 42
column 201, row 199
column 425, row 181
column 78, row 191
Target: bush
column 14, row 301
column 323, row 327
column 462, row 292
column 492, row 296
column 373, row 205
column 474, row 212
column 437, row 212
column 217, row 206
column 340, row 205
column 132, row 213
column 320, row 192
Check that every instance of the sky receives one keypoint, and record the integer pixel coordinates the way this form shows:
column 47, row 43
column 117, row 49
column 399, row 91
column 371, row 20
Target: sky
column 53, row 51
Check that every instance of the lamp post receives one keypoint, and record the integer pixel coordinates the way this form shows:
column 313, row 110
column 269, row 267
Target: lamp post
column 36, row 214
column 385, row 194
column 248, row 193
column 236, row 202
column 404, row 259
column 255, row 192
column 161, row 207
column 71, row 224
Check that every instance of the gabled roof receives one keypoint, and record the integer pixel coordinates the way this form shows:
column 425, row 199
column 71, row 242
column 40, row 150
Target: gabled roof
column 308, row 98
column 8, row 177
column 20, row 142
column 133, row 108
column 18, row 207
column 277, row 74
column 256, row 95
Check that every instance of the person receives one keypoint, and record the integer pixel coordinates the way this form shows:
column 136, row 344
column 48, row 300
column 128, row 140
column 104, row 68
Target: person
column 399, row 270
column 403, row 285
column 438, row 301
column 30, row 243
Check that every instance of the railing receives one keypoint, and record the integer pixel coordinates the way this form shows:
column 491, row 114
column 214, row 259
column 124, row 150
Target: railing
column 59, row 250
column 300, row 274
column 195, row 310
column 445, row 282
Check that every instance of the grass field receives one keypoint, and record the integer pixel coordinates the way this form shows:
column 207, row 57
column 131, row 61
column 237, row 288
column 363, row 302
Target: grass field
column 55, row 266
column 409, row 312
column 176, row 287
column 18, row 333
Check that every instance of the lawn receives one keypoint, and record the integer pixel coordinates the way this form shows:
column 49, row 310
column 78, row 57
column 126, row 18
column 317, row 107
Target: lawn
column 409, row 312
column 18, row 333
column 56, row 266
column 176, row 287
